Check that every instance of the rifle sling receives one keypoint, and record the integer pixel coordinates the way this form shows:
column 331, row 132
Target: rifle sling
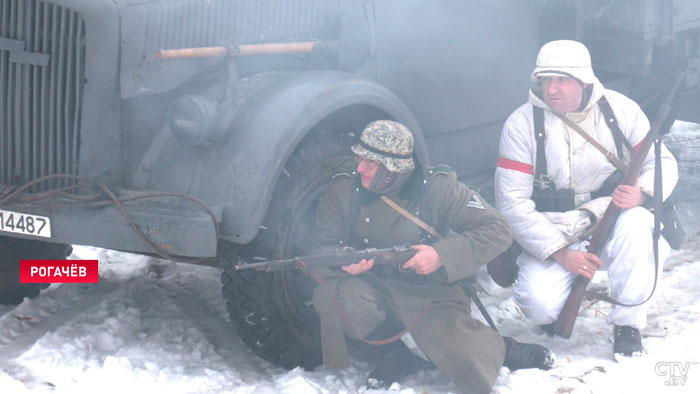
column 658, row 191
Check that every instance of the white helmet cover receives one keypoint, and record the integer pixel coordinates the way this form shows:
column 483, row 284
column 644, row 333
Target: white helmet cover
column 564, row 57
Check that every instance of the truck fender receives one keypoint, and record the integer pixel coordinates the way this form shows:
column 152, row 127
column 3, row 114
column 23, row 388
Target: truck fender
column 240, row 172
column 271, row 125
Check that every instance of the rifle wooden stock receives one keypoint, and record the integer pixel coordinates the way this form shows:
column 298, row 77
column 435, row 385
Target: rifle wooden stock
column 393, row 256
column 567, row 317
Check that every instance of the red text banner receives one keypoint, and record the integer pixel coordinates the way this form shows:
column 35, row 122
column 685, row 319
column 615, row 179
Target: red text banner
column 58, row 271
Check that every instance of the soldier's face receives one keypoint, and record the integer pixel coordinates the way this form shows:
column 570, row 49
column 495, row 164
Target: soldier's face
column 367, row 169
column 562, row 93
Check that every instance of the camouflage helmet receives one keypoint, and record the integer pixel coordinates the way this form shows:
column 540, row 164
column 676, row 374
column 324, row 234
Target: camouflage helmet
column 388, row 142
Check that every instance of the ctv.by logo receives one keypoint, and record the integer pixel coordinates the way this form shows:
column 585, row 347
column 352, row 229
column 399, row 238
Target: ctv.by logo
column 677, row 372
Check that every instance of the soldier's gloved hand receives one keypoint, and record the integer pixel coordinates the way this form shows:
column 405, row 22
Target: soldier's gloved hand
column 362, row 266
column 425, row 261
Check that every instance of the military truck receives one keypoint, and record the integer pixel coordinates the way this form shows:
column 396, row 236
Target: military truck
column 107, row 138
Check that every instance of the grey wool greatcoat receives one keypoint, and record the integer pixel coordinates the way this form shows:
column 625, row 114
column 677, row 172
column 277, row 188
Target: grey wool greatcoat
column 348, row 215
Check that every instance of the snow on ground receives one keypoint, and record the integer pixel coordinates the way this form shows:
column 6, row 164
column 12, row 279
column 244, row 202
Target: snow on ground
column 156, row 326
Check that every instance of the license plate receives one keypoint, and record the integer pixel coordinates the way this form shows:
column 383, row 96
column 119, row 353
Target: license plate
column 21, row 223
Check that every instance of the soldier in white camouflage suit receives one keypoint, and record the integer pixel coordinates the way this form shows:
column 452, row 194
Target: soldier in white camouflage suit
column 553, row 240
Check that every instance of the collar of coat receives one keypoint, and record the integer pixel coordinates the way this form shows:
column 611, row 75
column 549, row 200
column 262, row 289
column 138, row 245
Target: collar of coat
column 411, row 190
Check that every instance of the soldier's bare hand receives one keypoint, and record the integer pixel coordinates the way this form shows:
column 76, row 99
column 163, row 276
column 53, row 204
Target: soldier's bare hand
column 578, row 262
column 626, row 196
column 362, row 266
column 425, row 261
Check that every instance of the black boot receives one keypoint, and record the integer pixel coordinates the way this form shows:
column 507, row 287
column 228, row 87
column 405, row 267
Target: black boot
column 628, row 341
column 526, row 355
column 397, row 362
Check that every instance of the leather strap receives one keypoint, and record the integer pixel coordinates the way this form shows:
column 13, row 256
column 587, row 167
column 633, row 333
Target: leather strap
column 608, row 155
column 408, row 215
column 541, row 178
column 611, row 120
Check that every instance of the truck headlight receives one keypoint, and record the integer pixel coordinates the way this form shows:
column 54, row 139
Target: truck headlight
column 192, row 119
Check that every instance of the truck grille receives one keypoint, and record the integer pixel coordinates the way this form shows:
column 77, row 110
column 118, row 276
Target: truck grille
column 42, row 74
column 195, row 23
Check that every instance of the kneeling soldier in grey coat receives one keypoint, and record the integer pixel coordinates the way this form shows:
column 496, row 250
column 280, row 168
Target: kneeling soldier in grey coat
column 422, row 297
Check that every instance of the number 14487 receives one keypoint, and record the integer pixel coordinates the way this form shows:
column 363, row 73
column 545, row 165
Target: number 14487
column 15, row 222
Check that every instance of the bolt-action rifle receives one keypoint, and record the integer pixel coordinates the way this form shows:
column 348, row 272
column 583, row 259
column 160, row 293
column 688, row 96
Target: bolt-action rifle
column 565, row 323
column 396, row 255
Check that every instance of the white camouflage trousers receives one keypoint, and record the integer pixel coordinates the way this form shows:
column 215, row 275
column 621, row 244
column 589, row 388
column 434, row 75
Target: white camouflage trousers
column 542, row 287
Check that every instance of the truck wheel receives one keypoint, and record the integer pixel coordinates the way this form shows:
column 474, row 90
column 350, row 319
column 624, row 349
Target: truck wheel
column 272, row 311
column 12, row 250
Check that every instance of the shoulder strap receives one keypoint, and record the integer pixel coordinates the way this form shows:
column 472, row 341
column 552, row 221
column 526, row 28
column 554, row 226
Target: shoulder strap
column 425, row 226
column 611, row 121
column 541, row 178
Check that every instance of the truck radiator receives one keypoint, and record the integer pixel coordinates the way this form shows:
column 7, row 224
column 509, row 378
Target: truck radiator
column 42, row 75
column 195, row 23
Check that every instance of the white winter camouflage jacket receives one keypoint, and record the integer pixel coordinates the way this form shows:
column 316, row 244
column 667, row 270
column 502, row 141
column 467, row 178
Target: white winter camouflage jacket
column 572, row 162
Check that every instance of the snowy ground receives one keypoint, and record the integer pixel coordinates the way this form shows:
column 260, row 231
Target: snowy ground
column 156, row 326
